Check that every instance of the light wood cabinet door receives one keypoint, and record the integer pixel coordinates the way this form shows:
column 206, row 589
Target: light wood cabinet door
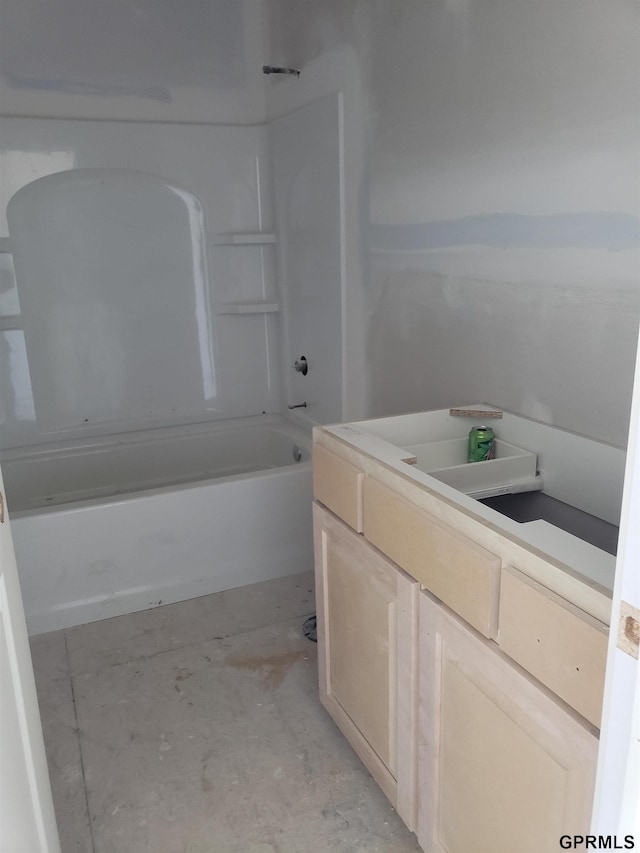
column 367, row 613
column 503, row 766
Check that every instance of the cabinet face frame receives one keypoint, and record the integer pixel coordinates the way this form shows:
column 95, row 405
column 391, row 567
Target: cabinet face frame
column 454, row 661
column 338, row 485
column 339, row 550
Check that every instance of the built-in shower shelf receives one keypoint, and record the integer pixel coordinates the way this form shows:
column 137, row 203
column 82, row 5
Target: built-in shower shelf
column 258, row 307
column 251, row 238
column 5, row 246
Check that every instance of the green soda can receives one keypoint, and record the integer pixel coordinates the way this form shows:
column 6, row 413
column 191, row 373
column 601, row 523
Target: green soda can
column 482, row 444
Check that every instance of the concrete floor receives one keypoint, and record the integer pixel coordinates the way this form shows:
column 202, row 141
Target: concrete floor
column 196, row 728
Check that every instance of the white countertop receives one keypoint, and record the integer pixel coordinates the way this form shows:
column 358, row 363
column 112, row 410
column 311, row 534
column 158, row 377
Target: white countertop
column 575, row 469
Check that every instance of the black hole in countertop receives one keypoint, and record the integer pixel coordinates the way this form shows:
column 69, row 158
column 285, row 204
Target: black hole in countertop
column 531, row 506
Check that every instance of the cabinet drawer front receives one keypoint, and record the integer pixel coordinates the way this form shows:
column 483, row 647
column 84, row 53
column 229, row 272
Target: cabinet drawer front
column 338, row 485
column 562, row 646
column 456, row 570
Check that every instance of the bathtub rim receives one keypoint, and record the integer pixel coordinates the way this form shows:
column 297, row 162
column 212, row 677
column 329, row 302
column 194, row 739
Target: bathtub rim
column 255, row 422
column 164, row 546
column 24, row 451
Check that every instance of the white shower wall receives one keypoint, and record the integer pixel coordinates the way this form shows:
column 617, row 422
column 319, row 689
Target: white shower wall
column 307, row 152
column 227, row 168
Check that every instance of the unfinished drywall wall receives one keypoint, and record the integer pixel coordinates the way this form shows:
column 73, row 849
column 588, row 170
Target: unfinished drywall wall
column 503, row 175
column 144, row 60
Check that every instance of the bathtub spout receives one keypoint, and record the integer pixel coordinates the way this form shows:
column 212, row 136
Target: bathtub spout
column 297, row 406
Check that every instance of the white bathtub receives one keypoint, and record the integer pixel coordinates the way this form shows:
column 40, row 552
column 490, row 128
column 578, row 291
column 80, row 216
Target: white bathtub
column 119, row 524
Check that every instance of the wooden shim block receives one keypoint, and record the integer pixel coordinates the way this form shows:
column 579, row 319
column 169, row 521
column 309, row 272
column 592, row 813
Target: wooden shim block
column 478, row 414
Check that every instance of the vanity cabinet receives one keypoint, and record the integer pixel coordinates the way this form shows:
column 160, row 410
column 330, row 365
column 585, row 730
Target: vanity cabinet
column 503, row 765
column 367, row 615
column 470, row 691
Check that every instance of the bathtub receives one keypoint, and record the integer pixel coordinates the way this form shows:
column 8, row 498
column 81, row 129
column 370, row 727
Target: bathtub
column 112, row 525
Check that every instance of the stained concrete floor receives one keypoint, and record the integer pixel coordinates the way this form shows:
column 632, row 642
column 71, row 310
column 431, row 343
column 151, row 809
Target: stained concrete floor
column 196, row 728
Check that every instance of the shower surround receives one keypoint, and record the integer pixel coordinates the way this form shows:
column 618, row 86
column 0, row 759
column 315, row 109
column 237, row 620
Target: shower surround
column 235, row 516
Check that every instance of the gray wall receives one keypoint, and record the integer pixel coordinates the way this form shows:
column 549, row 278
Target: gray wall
column 140, row 60
column 501, row 198
column 491, row 171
